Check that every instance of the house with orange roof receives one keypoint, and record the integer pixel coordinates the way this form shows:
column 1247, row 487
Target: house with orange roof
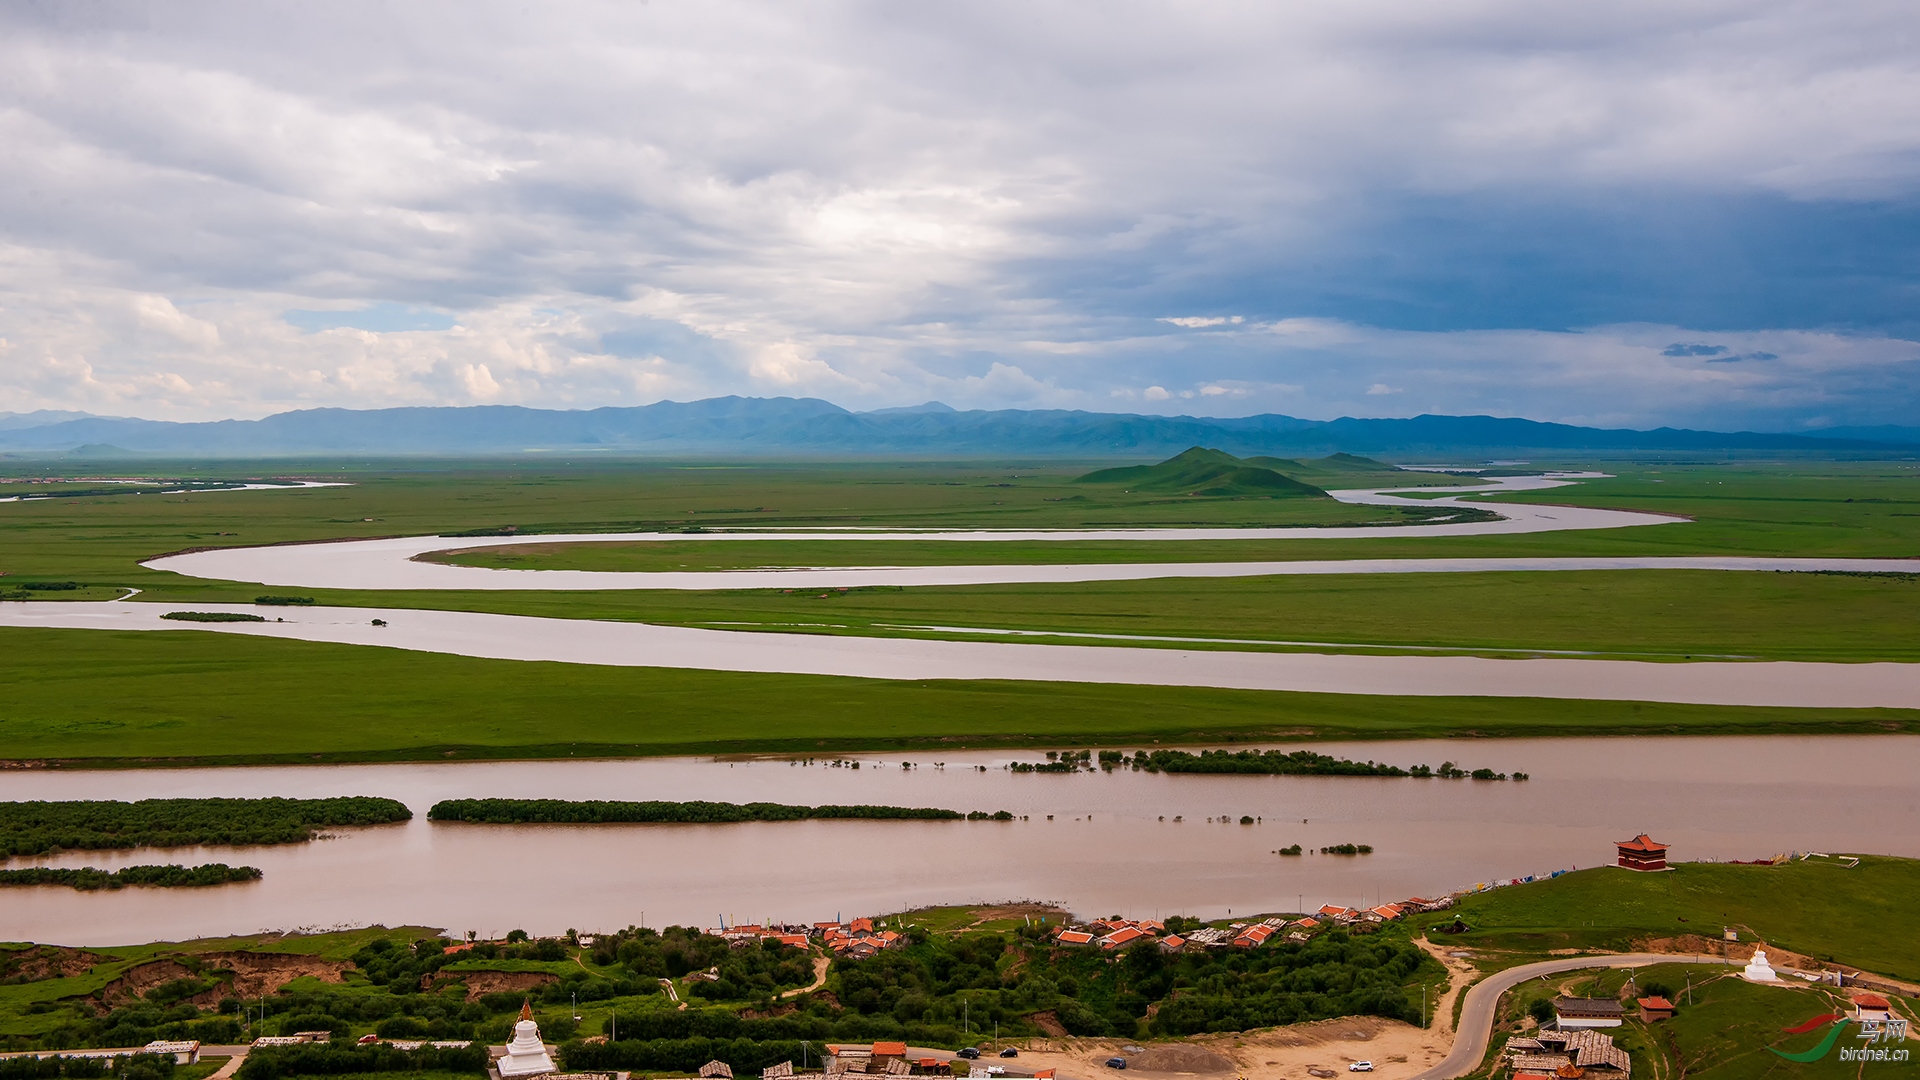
column 1253, row 937
column 1172, row 943
column 1334, row 911
column 1124, row 936
column 1074, row 937
column 1386, row 912
column 884, row 1054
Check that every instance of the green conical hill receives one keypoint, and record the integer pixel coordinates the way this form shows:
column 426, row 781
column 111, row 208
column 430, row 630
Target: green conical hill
column 1200, row 471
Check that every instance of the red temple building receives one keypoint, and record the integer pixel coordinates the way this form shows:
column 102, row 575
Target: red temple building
column 1643, row 853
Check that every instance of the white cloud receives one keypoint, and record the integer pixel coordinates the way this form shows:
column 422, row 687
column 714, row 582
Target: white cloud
column 881, row 204
column 1195, row 322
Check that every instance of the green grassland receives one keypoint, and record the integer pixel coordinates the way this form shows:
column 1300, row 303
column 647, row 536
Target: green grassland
column 133, row 698
column 1648, row 614
column 184, row 695
column 1858, row 916
column 1864, row 509
column 108, row 535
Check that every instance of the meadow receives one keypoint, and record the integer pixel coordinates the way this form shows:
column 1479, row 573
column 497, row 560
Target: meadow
column 1643, row 614
column 1817, row 907
column 122, row 697
column 134, row 699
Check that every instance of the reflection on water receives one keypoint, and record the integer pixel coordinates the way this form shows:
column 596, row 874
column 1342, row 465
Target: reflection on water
column 1105, row 851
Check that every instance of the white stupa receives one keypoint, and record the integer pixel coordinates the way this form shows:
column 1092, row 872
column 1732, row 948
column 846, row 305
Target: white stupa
column 1757, row 970
column 526, row 1054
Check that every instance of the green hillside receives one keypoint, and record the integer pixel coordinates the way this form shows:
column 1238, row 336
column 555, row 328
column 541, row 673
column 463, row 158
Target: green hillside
column 1857, row 915
column 1200, row 471
column 1333, row 463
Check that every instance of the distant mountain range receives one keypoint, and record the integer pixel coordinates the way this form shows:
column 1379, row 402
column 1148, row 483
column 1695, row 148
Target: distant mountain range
column 783, row 426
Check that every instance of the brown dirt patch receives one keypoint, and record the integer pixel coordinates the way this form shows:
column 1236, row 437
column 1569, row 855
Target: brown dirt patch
column 494, row 982
column 46, row 962
column 1398, row 1051
column 265, row 973
column 1181, row 1058
column 137, row 980
column 1049, row 1022
column 1695, row 943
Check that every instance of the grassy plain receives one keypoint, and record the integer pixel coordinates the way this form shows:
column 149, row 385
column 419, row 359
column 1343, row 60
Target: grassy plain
column 1820, row 908
column 1844, row 508
column 120, row 697
column 157, row 698
column 1647, row 614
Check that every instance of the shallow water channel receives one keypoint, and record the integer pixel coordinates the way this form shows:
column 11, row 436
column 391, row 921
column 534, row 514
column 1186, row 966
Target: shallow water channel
column 1105, row 850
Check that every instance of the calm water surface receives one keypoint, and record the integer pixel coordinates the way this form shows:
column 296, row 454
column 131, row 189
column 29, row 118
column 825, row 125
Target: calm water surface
column 1105, row 851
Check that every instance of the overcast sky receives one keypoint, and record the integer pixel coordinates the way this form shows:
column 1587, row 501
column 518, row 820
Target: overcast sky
column 1633, row 213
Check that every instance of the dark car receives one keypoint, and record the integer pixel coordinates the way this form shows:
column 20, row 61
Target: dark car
column 1009, row 1052
column 970, row 1053
column 1116, row 1063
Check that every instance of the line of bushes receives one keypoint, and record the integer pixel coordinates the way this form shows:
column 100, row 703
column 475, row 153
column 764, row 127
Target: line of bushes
column 125, row 1067
column 1278, row 763
column 679, row 1055
column 212, row 616
column 328, row 1059
column 91, row 879
column 599, row 811
column 40, row 828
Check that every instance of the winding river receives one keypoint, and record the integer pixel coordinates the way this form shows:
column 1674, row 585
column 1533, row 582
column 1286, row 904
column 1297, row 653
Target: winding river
column 630, row 644
column 393, row 564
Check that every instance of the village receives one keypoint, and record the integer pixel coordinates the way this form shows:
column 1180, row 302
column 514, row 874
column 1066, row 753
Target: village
column 1568, row 1035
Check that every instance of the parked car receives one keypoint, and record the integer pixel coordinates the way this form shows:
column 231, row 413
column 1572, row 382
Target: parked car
column 970, row 1053
column 1009, row 1052
column 369, row 1040
column 1116, row 1063
column 1360, row 1066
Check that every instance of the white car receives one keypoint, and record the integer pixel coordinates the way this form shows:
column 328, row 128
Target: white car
column 1360, row 1066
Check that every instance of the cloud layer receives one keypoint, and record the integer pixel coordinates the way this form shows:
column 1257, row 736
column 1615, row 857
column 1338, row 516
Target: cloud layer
column 1369, row 208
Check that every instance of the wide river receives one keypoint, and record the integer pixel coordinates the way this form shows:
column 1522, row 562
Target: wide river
column 1111, row 846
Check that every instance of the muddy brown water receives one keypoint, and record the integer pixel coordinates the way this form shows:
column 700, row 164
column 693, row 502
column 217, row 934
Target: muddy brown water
column 1106, row 849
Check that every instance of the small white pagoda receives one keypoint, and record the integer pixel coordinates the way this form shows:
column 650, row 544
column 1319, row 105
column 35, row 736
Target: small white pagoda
column 1758, row 970
column 526, row 1054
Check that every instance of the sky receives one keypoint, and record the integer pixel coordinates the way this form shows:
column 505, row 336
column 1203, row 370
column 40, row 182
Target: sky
column 1700, row 214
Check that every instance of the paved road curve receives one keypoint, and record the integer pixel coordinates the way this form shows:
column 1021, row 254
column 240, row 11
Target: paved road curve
column 1475, row 1029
